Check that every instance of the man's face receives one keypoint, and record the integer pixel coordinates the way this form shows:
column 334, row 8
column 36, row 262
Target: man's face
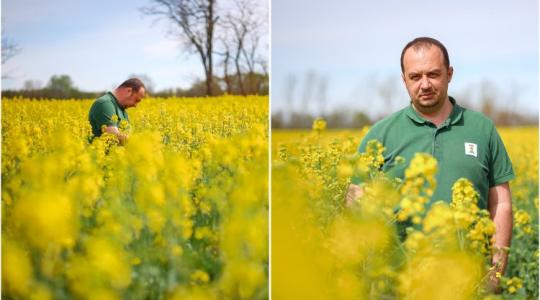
column 426, row 78
column 133, row 98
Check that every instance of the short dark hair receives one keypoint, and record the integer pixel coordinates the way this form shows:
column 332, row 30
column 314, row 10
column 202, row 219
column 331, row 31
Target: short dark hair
column 426, row 42
column 134, row 83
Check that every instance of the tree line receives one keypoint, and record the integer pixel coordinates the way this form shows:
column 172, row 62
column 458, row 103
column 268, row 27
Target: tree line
column 336, row 119
column 306, row 98
column 63, row 87
column 342, row 119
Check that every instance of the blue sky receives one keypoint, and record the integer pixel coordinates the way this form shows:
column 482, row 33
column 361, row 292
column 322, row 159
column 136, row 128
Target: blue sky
column 98, row 43
column 354, row 47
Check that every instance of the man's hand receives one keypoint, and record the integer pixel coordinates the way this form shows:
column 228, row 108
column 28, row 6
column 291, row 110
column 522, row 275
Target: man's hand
column 500, row 210
column 354, row 191
column 122, row 138
column 494, row 281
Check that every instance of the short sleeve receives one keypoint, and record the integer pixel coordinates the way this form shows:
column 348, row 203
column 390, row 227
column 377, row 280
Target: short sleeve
column 103, row 114
column 500, row 166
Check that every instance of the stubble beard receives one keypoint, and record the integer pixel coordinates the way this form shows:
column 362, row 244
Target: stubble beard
column 428, row 106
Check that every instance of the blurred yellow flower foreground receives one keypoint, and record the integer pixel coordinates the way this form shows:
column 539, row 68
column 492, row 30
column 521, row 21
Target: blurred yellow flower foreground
column 180, row 212
column 390, row 244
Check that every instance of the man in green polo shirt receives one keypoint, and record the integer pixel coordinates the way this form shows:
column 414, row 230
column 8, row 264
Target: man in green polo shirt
column 465, row 143
column 108, row 112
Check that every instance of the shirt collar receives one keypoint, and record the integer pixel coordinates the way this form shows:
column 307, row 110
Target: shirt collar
column 116, row 100
column 455, row 115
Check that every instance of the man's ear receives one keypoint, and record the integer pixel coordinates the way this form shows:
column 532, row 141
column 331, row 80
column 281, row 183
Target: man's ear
column 450, row 73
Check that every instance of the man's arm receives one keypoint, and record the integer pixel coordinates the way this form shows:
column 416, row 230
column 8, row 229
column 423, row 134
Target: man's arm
column 122, row 138
column 500, row 210
column 354, row 191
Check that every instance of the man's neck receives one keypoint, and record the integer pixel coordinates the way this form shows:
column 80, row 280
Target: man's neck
column 115, row 94
column 439, row 116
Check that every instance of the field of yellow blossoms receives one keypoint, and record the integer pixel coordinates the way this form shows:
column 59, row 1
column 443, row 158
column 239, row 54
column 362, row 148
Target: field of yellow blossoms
column 388, row 244
column 179, row 212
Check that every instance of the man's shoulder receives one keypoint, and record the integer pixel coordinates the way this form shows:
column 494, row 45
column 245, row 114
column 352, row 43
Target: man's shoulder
column 105, row 98
column 105, row 102
column 476, row 119
column 397, row 117
column 388, row 127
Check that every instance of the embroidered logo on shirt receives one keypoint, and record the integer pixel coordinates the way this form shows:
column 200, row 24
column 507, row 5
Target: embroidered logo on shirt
column 471, row 149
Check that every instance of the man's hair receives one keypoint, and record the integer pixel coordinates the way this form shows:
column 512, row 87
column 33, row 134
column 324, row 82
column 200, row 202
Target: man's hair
column 134, row 83
column 420, row 42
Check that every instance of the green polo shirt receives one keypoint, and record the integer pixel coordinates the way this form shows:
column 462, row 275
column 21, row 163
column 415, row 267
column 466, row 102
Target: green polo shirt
column 465, row 145
column 102, row 112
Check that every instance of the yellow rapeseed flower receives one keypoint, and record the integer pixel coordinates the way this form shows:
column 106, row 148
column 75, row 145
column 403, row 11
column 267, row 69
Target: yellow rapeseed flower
column 319, row 125
column 199, row 276
column 17, row 271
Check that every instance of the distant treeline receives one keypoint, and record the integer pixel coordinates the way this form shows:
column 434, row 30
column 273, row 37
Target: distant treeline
column 62, row 87
column 250, row 84
column 359, row 119
column 337, row 119
column 46, row 93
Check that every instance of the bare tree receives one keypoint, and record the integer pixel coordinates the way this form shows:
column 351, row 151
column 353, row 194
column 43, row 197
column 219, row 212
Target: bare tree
column 263, row 63
column 256, row 22
column 9, row 50
column 250, row 50
column 264, row 84
column 225, row 63
column 290, row 87
column 388, row 90
column 240, row 27
column 239, row 30
column 488, row 98
column 31, row 85
column 321, row 93
column 309, row 89
column 196, row 20
column 289, row 95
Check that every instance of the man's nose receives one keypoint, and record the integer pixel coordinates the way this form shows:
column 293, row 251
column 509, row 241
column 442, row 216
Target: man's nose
column 425, row 83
